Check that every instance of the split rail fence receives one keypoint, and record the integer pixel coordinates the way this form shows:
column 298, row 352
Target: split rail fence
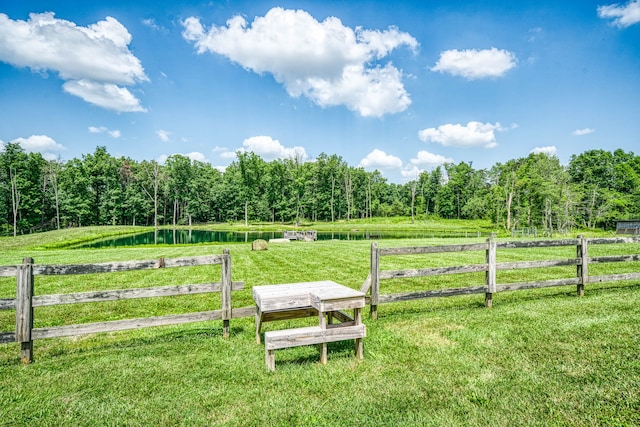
column 582, row 261
column 25, row 301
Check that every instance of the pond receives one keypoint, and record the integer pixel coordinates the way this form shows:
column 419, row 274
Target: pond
column 171, row 237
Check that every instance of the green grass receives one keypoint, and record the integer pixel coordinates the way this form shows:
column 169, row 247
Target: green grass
column 541, row 357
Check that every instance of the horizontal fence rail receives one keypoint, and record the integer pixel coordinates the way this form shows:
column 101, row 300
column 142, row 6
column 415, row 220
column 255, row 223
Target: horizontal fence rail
column 25, row 301
column 491, row 266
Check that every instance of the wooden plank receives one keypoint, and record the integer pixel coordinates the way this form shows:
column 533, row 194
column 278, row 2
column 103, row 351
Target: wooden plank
column 8, row 271
column 538, row 264
column 7, row 304
column 24, row 310
column 287, row 338
column 389, row 298
column 226, row 292
column 110, row 267
column 537, row 243
column 287, row 296
column 124, row 294
column 582, row 269
column 324, row 306
column 122, row 325
column 7, row 337
column 193, row 261
column 614, row 258
column 614, row 277
column 24, row 295
column 375, row 280
column 239, row 313
column 540, row 284
column 426, row 272
column 490, row 275
column 418, row 250
column 366, row 285
column 613, row 240
column 299, row 313
column 342, row 316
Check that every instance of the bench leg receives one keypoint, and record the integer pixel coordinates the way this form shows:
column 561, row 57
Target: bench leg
column 359, row 349
column 270, row 358
column 323, row 353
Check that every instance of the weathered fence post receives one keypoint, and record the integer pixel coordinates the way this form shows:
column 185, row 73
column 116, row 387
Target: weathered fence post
column 582, row 268
column 226, row 292
column 375, row 279
column 24, row 309
column 490, row 276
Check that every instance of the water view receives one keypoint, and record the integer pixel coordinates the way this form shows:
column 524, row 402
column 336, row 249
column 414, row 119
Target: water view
column 171, row 237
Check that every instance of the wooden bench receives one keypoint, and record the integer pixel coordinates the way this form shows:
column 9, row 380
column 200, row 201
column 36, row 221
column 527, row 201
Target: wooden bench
column 326, row 299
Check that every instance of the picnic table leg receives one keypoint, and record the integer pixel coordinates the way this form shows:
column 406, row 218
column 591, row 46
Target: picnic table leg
column 357, row 317
column 323, row 346
column 258, row 324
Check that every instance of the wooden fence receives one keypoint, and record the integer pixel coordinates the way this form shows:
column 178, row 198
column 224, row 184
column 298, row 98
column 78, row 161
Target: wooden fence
column 25, row 301
column 491, row 266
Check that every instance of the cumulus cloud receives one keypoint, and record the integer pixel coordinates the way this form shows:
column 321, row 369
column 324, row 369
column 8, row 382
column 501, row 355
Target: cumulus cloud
column 164, row 135
column 327, row 62
column 623, row 16
column 476, row 64
column 101, row 129
column 42, row 144
column 95, row 61
column 425, row 158
column 411, row 172
column 194, row 156
column 378, row 159
column 270, row 149
column 581, row 132
column 548, row 150
column 473, row 134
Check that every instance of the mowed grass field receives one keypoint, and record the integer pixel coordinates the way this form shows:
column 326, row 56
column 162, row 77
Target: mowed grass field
column 538, row 357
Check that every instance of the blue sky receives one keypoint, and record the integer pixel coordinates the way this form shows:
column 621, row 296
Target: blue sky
column 396, row 86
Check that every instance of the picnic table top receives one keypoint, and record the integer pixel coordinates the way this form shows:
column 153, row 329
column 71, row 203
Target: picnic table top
column 293, row 296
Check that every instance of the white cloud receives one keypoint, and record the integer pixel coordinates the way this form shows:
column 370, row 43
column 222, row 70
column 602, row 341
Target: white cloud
column 327, row 62
column 101, row 129
column 94, row 61
column 270, row 149
column 194, row 156
column 229, row 155
column 581, row 132
column 475, row 64
column 163, row 135
column 43, row 144
column 221, row 169
column 548, row 150
column 105, row 95
column 474, row 134
column 378, row 159
column 623, row 16
column 197, row 156
column 411, row 172
column 425, row 158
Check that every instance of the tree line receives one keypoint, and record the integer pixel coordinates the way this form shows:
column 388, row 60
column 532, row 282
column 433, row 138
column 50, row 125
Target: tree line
column 596, row 188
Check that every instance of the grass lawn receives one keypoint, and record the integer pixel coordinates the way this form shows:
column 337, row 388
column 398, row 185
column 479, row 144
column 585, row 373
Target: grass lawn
column 541, row 357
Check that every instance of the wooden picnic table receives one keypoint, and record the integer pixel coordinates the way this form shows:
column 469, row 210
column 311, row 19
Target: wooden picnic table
column 325, row 299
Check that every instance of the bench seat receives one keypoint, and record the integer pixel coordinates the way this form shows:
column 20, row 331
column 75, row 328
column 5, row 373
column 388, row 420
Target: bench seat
column 286, row 338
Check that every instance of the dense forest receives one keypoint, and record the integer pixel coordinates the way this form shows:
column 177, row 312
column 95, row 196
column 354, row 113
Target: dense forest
column 593, row 190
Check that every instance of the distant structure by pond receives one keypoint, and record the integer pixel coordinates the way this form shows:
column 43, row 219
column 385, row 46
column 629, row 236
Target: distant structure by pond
column 628, row 227
column 301, row 235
